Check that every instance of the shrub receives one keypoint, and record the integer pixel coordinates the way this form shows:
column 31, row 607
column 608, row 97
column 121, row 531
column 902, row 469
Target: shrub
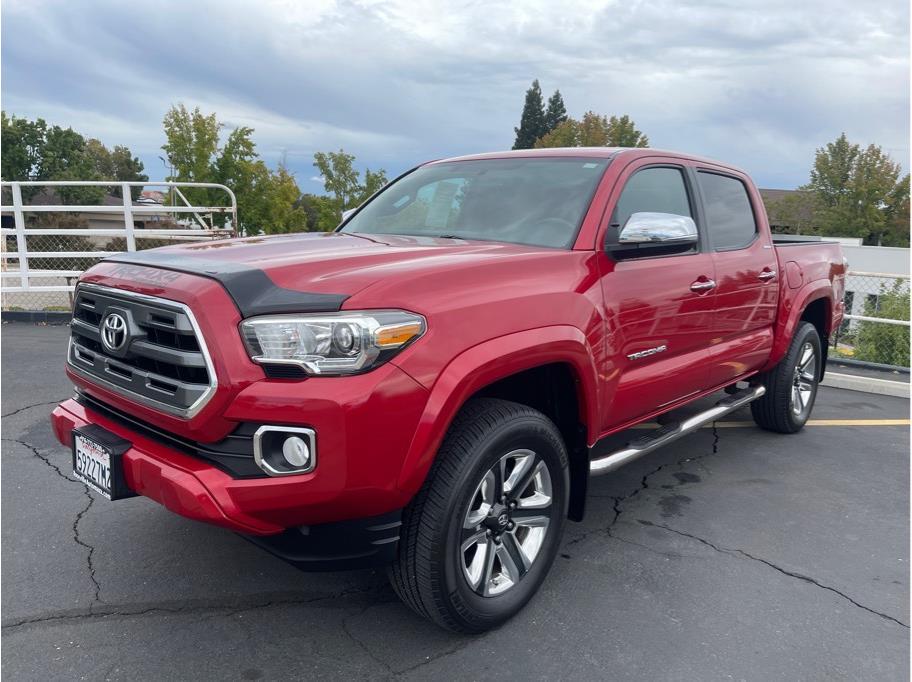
column 885, row 343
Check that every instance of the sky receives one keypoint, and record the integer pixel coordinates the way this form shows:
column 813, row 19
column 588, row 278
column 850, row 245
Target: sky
column 394, row 82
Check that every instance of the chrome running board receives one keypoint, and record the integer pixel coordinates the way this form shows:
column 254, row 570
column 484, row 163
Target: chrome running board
column 671, row 432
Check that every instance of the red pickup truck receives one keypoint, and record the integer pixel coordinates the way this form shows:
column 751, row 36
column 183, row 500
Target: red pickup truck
column 425, row 387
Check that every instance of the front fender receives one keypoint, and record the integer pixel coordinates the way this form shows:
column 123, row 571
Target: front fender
column 486, row 363
column 792, row 305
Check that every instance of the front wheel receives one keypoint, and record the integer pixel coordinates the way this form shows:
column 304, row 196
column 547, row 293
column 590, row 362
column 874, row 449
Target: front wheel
column 791, row 386
column 481, row 535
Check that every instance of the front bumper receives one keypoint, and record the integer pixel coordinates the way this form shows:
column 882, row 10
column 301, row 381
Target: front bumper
column 363, row 434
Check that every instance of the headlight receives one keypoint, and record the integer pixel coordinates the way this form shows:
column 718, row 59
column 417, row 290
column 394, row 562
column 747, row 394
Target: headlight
column 333, row 343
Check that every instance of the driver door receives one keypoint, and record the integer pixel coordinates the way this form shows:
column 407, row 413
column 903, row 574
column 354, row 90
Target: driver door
column 658, row 305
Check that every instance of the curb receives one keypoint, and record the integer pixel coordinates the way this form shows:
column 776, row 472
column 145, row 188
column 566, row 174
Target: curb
column 866, row 385
column 36, row 316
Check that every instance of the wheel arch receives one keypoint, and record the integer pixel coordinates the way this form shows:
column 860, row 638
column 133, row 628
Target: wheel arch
column 550, row 369
column 812, row 303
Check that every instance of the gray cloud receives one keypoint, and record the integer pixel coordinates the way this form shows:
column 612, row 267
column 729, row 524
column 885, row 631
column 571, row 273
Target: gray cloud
column 759, row 84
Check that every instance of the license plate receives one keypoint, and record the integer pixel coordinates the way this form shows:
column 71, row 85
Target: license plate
column 97, row 461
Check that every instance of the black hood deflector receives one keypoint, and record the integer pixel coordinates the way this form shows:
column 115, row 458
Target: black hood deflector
column 250, row 288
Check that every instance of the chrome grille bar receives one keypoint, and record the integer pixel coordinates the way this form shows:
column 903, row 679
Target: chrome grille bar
column 164, row 363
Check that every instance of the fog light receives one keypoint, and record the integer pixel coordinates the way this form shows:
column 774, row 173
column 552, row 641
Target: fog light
column 296, row 452
column 285, row 450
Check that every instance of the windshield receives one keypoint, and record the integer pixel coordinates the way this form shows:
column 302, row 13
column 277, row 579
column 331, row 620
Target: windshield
column 536, row 201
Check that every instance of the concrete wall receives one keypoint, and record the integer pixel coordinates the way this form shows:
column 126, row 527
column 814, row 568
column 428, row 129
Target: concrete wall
column 881, row 259
column 887, row 259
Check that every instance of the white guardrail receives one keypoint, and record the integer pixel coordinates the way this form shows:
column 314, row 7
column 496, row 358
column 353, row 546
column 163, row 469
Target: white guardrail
column 128, row 210
column 853, row 279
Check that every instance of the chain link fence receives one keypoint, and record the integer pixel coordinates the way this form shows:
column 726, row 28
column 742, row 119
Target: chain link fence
column 876, row 326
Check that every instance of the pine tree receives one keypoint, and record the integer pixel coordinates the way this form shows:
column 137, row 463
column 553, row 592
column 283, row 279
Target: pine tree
column 556, row 113
column 532, row 124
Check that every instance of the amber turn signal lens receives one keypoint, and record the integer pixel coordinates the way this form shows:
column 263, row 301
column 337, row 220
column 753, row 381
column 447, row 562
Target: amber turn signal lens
column 396, row 335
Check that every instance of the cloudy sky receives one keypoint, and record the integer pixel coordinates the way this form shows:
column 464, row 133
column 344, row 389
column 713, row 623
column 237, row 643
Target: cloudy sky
column 395, row 82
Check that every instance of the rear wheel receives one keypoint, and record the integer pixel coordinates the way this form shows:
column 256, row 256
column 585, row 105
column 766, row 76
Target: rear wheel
column 791, row 386
column 481, row 535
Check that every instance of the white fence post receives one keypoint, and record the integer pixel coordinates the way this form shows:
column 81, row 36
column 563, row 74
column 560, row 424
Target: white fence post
column 19, row 222
column 128, row 216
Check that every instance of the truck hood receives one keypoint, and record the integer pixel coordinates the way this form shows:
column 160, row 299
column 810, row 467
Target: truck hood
column 331, row 266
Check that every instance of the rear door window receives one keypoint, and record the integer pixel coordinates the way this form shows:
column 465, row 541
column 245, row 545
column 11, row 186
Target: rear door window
column 729, row 215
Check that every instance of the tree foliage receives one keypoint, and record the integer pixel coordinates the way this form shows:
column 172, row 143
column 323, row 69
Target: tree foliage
column 532, row 124
column 594, row 130
column 556, row 113
column 858, row 192
column 344, row 185
column 34, row 150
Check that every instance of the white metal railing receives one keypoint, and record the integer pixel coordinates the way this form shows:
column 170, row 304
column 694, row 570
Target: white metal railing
column 127, row 209
column 875, row 275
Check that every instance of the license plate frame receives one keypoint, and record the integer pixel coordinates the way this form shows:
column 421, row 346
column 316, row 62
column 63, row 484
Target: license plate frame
column 98, row 461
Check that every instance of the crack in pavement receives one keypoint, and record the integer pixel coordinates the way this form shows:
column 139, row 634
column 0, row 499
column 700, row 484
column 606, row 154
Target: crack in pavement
column 443, row 654
column 466, row 641
column 232, row 607
column 28, row 407
column 360, row 644
column 644, row 485
column 90, row 549
column 746, row 555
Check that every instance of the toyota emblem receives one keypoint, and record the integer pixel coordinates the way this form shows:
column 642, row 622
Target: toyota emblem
column 114, row 332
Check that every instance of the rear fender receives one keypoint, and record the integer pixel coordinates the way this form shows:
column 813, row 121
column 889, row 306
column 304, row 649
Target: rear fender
column 792, row 307
column 486, row 363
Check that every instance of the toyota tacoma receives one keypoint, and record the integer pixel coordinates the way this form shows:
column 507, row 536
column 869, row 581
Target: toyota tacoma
column 427, row 386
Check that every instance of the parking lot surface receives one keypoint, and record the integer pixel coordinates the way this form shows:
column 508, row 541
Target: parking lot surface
column 732, row 554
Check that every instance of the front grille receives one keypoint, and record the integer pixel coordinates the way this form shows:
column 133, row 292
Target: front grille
column 157, row 357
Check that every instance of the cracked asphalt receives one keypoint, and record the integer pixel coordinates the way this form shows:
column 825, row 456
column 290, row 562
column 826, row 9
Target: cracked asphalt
column 733, row 554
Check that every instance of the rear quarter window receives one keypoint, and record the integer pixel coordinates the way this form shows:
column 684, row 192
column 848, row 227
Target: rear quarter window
column 729, row 215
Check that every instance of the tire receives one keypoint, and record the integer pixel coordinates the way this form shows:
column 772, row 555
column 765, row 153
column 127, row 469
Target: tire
column 442, row 570
column 791, row 386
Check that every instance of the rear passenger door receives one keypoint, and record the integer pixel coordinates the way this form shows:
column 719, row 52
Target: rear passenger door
column 658, row 308
column 747, row 283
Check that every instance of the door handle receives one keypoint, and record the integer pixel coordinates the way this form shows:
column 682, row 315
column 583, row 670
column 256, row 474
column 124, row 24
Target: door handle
column 767, row 275
column 706, row 285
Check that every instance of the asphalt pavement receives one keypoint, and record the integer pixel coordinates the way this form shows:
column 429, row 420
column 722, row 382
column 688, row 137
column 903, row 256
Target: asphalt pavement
column 732, row 554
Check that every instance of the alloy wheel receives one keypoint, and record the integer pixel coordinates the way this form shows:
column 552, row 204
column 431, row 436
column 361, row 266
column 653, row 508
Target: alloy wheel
column 804, row 381
column 506, row 523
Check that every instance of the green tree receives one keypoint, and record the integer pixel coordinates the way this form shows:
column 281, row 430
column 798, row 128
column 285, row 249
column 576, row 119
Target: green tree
column 595, row 130
column 373, row 182
column 32, row 150
column 622, row 132
column 532, row 124
column 127, row 168
column 322, row 212
column 23, row 144
column 191, row 146
column 343, row 183
column 566, row 134
column 286, row 213
column 556, row 113
column 896, row 232
column 859, row 193
column 793, row 214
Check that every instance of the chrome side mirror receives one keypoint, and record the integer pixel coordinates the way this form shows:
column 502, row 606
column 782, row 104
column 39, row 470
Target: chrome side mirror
column 658, row 229
column 347, row 213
